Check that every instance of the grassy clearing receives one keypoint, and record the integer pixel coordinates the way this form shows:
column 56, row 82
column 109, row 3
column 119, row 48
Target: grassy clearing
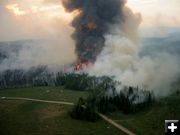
column 30, row 118
column 45, row 93
column 151, row 121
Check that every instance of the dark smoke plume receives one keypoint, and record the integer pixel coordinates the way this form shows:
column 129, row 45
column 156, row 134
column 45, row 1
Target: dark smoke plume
column 92, row 23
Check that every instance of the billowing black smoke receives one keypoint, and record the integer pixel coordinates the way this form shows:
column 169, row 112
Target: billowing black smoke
column 92, row 23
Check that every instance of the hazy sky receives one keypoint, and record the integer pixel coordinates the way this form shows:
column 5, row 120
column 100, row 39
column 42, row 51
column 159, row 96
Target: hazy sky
column 37, row 19
column 157, row 12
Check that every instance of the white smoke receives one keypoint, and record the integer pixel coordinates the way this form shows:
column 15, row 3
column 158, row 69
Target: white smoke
column 51, row 43
column 54, row 53
column 120, row 59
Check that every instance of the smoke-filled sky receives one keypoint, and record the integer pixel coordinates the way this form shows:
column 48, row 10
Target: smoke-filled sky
column 93, row 31
column 26, row 19
column 157, row 12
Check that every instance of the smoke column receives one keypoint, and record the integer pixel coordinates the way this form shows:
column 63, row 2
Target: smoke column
column 92, row 23
column 106, row 33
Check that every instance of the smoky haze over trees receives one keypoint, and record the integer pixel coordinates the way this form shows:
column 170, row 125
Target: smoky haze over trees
column 35, row 76
column 105, row 34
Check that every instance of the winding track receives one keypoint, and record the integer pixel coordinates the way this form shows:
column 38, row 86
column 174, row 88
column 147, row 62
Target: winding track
column 38, row 100
column 118, row 126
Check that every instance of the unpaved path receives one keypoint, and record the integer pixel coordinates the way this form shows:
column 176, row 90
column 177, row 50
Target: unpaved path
column 38, row 100
column 125, row 130
column 118, row 126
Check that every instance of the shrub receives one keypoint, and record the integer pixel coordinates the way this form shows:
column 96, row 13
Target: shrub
column 84, row 112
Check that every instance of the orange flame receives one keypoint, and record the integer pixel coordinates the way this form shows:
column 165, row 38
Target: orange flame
column 83, row 66
column 78, row 67
column 92, row 25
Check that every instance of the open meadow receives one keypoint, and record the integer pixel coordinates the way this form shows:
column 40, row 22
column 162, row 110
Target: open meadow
column 33, row 118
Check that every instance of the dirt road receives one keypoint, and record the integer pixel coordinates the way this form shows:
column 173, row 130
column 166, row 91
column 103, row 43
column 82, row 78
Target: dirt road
column 37, row 100
column 118, row 126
